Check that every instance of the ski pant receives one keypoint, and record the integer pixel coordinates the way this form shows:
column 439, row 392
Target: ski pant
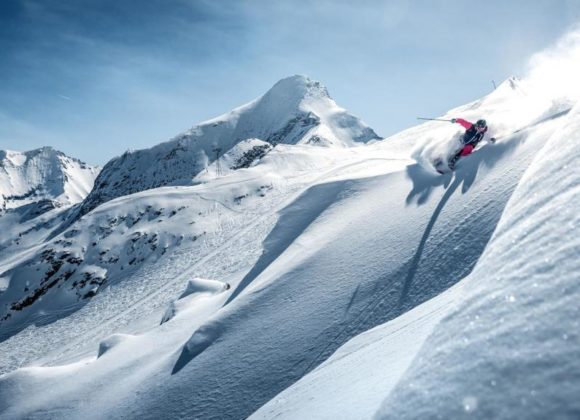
column 467, row 149
column 464, row 151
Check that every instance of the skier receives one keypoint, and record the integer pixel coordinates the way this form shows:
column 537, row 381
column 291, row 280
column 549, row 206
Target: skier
column 474, row 133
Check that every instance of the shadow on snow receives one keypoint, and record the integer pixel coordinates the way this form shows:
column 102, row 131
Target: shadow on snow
column 397, row 289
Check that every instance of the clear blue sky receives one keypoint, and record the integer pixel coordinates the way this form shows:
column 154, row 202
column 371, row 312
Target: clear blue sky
column 94, row 78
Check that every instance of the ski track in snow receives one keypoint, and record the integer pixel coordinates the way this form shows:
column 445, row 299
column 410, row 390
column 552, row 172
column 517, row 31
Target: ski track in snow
column 122, row 304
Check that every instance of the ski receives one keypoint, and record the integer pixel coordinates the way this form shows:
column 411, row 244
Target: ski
column 440, row 166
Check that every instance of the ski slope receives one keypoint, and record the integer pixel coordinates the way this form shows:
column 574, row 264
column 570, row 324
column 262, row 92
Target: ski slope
column 494, row 345
column 354, row 381
column 510, row 345
column 343, row 240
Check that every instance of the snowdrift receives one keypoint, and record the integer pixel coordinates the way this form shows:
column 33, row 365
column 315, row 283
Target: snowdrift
column 81, row 252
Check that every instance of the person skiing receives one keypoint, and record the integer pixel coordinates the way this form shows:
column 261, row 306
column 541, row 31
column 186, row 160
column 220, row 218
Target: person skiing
column 474, row 133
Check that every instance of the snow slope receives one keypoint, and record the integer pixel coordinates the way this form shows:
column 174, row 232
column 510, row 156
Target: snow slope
column 142, row 246
column 495, row 345
column 43, row 175
column 353, row 382
column 510, row 347
column 296, row 110
column 346, row 240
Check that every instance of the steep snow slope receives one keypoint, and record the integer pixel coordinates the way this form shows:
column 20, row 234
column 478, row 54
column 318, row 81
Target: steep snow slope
column 510, row 347
column 344, row 256
column 353, row 382
column 295, row 110
column 43, row 175
column 487, row 347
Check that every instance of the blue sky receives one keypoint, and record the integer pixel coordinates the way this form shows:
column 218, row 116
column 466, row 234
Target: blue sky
column 94, row 78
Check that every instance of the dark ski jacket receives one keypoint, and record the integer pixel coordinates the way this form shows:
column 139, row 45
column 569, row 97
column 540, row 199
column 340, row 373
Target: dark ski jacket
column 472, row 135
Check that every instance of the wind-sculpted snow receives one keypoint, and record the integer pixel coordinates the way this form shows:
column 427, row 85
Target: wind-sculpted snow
column 510, row 347
column 393, row 264
column 190, row 295
column 111, row 248
column 353, row 382
column 111, row 342
column 295, row 110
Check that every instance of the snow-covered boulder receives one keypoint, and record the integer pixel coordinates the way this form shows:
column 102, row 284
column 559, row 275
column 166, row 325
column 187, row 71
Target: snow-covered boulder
column 193, row 289
column 111, row 342
column 198, row 285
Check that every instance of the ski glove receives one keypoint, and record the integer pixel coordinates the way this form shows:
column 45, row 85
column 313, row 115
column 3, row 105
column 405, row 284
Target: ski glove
column 453, row 120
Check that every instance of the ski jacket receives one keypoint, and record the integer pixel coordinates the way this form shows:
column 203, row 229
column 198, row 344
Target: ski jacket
column 471, row 136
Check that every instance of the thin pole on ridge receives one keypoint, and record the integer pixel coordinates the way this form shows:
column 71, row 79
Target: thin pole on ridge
column 433, row 119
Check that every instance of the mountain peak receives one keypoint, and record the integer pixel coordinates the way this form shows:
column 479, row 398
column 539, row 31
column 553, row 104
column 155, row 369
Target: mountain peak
column 289, row 97
column 512, row 82
column 43, row 174
column 296, row 110
column 299, row 87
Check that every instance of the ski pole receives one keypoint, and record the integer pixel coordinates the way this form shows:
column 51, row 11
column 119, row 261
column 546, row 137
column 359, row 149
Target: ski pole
column 433, row 119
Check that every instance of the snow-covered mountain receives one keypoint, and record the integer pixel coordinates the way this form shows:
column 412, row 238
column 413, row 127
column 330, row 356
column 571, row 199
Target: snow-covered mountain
column 100, row 248
column 296, row 110
column 311, row 282
column 45, row 177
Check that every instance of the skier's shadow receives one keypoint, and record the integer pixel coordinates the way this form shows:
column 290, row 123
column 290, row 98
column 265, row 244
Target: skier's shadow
column 425, row 182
